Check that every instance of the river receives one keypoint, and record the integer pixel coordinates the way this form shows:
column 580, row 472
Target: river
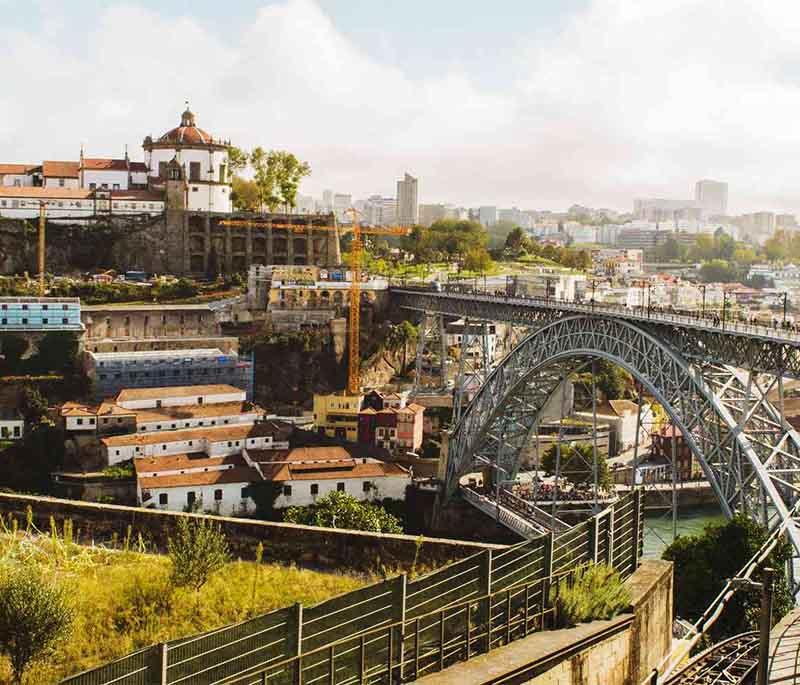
column 658, row 527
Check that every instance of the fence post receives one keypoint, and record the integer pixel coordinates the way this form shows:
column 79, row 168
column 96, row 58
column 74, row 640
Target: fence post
column 401, row 616
column 486, row 589
column 636, row 524
column 593, row 528
column 610, row 537
column 297, row 637
column 164, row 660
column 547, row 576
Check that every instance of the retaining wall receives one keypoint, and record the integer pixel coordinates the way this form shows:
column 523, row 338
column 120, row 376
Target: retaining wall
column 285, row 542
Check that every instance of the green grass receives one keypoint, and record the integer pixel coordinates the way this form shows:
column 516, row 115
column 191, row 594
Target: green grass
column 597, row 592
column 123, row 599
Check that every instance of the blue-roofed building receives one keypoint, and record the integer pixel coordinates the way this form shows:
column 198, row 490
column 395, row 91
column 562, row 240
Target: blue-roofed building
column 111, row 372
column 40, row 314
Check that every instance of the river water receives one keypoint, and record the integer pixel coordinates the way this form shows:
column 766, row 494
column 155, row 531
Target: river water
column 658, row 527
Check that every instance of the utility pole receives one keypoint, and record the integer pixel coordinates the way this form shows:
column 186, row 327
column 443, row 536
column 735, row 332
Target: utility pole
column 724, row 307
column 42, row 226
column 785, row 304
column 703, row 306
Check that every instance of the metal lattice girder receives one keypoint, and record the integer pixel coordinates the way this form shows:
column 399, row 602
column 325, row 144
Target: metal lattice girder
column 758, row 348
column 749, row 455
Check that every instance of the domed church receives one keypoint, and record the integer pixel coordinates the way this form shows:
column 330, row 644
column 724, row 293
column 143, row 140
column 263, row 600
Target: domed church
column 193, row 163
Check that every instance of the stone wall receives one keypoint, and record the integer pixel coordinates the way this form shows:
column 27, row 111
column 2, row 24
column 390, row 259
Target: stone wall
column 176, row 242
column 619, row 651
column 340, row 550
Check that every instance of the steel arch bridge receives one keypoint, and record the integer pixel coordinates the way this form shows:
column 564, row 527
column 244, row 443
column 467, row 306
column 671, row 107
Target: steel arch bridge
column 748, row 452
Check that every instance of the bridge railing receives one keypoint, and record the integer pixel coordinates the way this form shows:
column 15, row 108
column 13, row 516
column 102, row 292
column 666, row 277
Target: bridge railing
column 707, row 320
column 404, row 627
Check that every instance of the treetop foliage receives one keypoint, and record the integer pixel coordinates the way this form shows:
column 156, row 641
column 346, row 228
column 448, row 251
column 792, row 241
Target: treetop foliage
column 577, row 464
column 277, row 176
column 197, row 550
column 342, row 510
column 704, row 562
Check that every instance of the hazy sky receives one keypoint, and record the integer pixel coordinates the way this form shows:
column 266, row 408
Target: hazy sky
column 534, row 103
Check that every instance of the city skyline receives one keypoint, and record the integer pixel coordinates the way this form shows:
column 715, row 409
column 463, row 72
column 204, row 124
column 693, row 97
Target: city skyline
column 557, row 125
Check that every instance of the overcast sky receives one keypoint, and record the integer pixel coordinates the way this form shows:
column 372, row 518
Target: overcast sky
column 533, row 103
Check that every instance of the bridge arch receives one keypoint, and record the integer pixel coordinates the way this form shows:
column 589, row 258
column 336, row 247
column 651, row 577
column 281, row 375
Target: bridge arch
column 749, row 455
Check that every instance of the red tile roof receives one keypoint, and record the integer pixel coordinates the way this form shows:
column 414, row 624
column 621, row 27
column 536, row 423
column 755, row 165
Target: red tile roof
column 16, row 168
column 242, row 475
column 320, row 463
column 52, row 169
column 210, row 433
column 99, row 164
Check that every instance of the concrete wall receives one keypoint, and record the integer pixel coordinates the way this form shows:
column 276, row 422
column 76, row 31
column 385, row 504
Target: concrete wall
column 619, row 651
column 339, row 550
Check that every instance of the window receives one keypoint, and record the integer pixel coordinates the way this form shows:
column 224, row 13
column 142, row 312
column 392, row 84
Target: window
column 115, row 186
column 93, row 186
column 245, row 492
column 61, row 182
column 24, row 321
column 44, row 321
column 194, row 171
column 80, row 422
column 366, row 486
column 162, row 169
column 65, row 321
column 314, row 488
column 162, row 498
column 340, row 487
column 287, row 490
column 191, row 498
column 218, row 495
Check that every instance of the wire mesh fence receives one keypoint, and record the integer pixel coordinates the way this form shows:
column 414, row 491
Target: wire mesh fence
column 399, row 629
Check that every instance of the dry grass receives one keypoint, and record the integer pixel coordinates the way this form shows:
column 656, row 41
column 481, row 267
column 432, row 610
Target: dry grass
column 123, row 599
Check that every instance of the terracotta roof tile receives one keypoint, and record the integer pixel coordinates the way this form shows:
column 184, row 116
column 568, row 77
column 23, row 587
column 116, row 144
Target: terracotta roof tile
column 16, row 168
column 51, row 169
column 242, row 475
column 134, row 394
column 210, row 433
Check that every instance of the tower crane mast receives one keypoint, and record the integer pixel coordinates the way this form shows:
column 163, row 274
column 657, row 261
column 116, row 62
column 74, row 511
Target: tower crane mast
column 356, row 252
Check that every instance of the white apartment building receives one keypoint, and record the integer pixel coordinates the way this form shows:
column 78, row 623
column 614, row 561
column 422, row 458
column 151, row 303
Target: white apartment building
column 180, row 482
column 23, row 202
column 407, row 203
column 12, row 425
column 341, row 203
column 308, row 473
column 214, row 441
column 712, row 196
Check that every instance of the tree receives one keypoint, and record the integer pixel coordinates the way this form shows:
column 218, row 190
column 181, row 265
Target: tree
column 340, row 510
column 244, row 194
column 32, row 405
column 35, row 616
column 277, row 176
column 577, row 464
column 516, row 239
column 237, row 159
column 58, row 352
column 478, row 260
column 198, row 549
column 703, row 562
column 718, row 270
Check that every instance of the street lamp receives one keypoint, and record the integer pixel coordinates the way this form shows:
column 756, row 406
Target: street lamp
column 703, row 306
column 648, row 299
column 724, row 307
column 594, row 285
column 765, row 618
column 785, row 304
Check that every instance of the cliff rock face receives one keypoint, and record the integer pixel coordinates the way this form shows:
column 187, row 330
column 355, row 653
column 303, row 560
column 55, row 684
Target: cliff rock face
column 107, row 243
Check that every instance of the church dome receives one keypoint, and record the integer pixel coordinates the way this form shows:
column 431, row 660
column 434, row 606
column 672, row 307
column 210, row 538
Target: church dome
column 188, row 133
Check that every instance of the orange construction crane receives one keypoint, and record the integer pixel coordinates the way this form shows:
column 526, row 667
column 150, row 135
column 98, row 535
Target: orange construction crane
column 356, row 251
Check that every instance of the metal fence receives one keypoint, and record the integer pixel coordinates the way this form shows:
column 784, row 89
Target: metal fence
column 396, row 630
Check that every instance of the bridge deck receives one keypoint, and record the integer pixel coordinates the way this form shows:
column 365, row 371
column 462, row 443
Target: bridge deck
column 784, row 651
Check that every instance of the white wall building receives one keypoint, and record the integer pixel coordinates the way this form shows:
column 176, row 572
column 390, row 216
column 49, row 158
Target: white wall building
column 308, row 473
column 156, row 398
column 17, row 174
column 12, row 425
column 216, row 441
column 22, row 202
column 60, row 174
column 202, row 159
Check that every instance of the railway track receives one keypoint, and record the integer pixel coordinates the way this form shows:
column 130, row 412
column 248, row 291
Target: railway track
column 732, row 661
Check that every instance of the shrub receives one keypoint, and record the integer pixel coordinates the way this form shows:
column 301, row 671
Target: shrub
column 198, row 549
column 34, row 617
column 340, row 510
column 596, row 593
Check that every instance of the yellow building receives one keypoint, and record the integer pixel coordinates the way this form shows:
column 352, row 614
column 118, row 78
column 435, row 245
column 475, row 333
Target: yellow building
column 336, row 415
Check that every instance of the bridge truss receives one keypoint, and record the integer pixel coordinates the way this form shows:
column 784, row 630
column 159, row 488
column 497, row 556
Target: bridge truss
column 715, row 394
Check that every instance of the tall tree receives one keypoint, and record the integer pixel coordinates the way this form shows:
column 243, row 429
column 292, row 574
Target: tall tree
column 237, row 159
column 277, row 176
